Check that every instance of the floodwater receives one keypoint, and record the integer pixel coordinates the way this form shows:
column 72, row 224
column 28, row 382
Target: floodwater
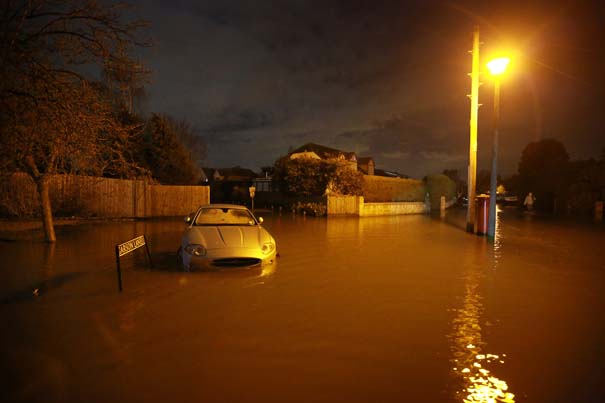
column 385, row 309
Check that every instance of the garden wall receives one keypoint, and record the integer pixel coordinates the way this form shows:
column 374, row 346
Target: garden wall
column 383, row 189
column 355, row 205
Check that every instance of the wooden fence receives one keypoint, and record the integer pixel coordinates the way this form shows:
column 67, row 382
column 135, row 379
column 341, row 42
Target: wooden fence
column 86, row 196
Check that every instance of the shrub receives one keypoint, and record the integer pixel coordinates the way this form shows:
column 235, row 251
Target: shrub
column 347, row 182
column 378, row 189
column 310, row 208
column 437, row 186
column 303, row 176
column 311, row 177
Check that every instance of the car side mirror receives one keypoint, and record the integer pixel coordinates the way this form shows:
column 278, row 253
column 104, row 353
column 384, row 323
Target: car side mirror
column 260, row 220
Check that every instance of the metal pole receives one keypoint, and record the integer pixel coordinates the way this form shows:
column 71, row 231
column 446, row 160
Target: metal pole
column 491, row 223
column 148, row 253
column 118, row 269
column 472, row 154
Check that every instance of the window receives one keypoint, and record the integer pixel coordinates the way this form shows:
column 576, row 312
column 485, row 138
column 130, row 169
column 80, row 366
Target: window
column 224, row 216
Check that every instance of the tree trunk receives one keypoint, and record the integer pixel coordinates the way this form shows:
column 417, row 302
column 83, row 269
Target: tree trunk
column 46, row 209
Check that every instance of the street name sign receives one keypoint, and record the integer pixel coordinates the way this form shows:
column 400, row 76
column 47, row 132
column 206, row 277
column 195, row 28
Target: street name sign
column 129, row 246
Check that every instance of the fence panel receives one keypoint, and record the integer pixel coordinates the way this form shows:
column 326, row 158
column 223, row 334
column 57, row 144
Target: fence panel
column 177, row 200
column 344, row 205
column 86, row 196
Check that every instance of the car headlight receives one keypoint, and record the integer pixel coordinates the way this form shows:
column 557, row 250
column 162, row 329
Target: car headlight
column 195, row 249
column 267, row 248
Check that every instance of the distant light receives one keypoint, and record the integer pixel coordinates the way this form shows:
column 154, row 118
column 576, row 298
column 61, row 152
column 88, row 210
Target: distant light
column 498, row 66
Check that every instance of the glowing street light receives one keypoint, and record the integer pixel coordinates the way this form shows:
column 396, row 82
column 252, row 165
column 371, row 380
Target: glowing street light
column 496, row 67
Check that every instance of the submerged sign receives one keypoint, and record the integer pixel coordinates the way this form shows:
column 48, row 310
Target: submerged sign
column 127, row 247
column 131, row 245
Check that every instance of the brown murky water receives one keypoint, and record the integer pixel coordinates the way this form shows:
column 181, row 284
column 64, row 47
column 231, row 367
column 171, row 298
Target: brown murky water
column 387, row 309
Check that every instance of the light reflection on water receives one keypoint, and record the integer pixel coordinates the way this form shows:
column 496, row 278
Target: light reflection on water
column 474, row 367
column 497, row 243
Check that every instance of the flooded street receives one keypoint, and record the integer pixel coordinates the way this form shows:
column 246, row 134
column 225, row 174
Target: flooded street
column 385, row 309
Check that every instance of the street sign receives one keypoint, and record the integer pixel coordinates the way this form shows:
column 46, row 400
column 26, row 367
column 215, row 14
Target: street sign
column 127, row 247
column 252, row 189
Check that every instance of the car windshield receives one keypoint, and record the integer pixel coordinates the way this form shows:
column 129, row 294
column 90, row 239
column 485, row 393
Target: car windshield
column 224, row 216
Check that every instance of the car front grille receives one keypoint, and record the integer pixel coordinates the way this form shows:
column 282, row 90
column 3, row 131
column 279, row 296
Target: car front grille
column 236, row 262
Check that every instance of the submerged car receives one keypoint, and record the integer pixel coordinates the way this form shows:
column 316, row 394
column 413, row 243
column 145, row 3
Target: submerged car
column 225, row 235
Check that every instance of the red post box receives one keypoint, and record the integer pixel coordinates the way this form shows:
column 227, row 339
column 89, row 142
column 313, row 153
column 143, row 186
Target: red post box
column 482, row 209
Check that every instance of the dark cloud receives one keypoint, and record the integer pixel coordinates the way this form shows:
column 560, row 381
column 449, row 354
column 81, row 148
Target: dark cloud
column 407, row 144
column 387, row 79
column 231, row 120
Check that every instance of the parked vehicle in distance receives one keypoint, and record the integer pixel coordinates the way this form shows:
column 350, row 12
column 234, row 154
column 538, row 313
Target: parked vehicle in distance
column 510, row 198
column 225, row 235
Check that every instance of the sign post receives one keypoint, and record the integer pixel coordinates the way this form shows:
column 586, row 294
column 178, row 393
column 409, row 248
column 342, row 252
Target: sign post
column 127, row 247
column 252, row 190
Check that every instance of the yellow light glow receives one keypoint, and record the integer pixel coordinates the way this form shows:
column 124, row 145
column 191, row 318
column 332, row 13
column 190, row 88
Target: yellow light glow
column 474, row 366
column 498, row 66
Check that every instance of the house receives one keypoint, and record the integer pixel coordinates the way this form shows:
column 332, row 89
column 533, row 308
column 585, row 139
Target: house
column 366, row 165
column 229, row 184
column 319, row 152
column 209, row 175
column 264, row 183
column 235, row 174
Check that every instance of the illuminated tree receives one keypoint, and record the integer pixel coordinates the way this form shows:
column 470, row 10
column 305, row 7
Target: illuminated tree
column 303, row 176
column 345, row 181
column 311, row 177
column 53, row 119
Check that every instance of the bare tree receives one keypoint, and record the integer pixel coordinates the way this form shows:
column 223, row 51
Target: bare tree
column 126, row 79
column 52, row 119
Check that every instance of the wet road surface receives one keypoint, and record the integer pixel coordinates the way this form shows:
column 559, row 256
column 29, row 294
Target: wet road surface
column 384, row 309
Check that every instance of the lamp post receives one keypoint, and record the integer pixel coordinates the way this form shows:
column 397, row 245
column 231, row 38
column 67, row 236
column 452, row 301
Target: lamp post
column 496, row 67
column 472, row 149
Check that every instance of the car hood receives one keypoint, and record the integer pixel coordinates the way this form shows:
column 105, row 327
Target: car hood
column 244, row 236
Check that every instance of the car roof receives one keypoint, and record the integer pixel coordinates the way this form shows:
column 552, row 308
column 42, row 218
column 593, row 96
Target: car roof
column 224, row 205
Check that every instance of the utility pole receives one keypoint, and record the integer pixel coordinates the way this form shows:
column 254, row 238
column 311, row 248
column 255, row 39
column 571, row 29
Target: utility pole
column 496, row 67
column 491, row 226
column 472, row 154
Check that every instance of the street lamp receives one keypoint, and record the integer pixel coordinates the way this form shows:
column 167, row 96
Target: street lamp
column 472, row 145
column 496, row 67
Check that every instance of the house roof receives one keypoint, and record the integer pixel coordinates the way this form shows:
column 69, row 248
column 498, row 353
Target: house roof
column 323, row 151
column 389, row 174
column 364, row 160
column 237, row 173
column 208, row 172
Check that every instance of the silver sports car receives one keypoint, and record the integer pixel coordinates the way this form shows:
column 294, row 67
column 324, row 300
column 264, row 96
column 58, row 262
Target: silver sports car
column 225, row 235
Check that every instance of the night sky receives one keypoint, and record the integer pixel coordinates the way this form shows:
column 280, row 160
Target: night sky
column 387, row 79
